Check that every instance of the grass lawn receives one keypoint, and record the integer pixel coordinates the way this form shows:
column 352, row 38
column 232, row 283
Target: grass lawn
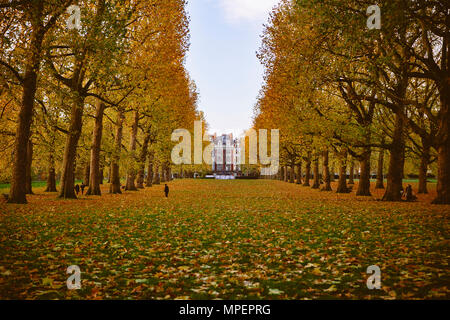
column 242, row 239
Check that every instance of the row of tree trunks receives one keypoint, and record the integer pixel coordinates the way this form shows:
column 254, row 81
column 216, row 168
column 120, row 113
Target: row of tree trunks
column 96, row 177
column 68, row 167
column 114, row 187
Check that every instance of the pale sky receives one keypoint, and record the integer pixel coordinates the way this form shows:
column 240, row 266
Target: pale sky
column 225, row 35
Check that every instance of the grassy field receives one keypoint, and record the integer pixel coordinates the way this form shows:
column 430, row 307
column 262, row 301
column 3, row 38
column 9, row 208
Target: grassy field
column 249, row 239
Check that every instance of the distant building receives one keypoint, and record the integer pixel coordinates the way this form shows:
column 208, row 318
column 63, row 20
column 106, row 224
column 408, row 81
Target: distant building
column 226, row 155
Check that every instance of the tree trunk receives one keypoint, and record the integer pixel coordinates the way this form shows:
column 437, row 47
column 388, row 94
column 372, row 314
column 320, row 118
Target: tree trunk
column 87, row 172
column 299, row 172
column 96, row 179
column 17, row 193
column 51, row 176
column 364, row 177
column 396, row 163
column 380, row 171
column 292, row 174
column 443, row 185
column 162, row 177
column 332, row 172
column 326, row 172
column 157, row 178
column 68, row 167
column 109, row 173
column 342, row 183
column 29, row 189
column 131, row 174
column 142, row 160
column 307, row 171
column 316, row 184
column 115, row 172
column 351, row 179
column 285, row 172
column 423, row 170
column 169, row 173
column 149, row 182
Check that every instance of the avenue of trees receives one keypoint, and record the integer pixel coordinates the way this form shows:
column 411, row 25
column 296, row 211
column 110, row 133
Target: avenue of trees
column 346, row 97
column 95, row 103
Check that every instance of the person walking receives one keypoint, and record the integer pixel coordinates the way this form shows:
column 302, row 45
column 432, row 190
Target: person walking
column 166, row 190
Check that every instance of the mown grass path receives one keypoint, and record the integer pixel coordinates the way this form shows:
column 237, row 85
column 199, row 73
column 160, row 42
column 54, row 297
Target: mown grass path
column 254, row 239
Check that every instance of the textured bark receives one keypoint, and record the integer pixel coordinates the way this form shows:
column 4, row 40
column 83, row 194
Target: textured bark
column 150, row 175
column 316, row 184
column 68, row 167
column 142, row 159
column 87, row 172
column 51, row 175
column 423, row 170
column 380, row 171
column 291, row 174
column 396, row 162
column 169, row 173
column 285, row 173
column 131, row 174
column 364, row 178
column 96, row 179
column 115, row 173
column 162, row 177
column 29, row 189
column 109, row 173
column 342, row 183
column 18, row 190
column 157, row 178
column 307, row 171
column 351, row 179
column 299, row 173
column 326, row 172
column 443, row 185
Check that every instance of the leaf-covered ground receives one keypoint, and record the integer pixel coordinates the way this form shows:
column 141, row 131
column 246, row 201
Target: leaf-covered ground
column 211, row 239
